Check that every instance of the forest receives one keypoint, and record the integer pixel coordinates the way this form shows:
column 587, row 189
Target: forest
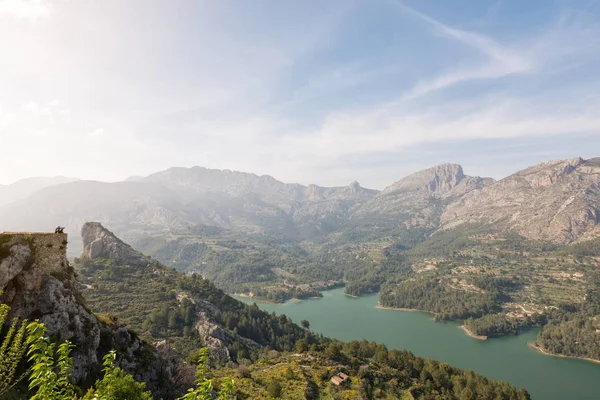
column 374, row 372
column 573, row 330
column 145, row 298
column 427, row 294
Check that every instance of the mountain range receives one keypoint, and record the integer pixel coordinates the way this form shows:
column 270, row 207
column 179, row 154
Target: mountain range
column 26, row 187
column 557, row 201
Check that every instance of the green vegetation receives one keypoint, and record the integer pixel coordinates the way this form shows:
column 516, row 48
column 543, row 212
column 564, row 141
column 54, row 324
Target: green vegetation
column 161, row 303
column 204, row 386
column 50, row 375
column 116, row 384
column 374, row 373
column 493, row 325
column 447, row 303
column 12, row 349
column 500, row 281
column 574, row 331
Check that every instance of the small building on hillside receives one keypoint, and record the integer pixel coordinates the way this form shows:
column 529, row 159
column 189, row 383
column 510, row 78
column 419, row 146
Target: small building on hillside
column 336, row 380
column 339, row 379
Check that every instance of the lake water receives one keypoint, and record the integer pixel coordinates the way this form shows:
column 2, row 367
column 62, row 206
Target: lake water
column 508, row 358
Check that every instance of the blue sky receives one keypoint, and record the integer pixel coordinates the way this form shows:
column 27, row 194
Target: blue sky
column 319, row 92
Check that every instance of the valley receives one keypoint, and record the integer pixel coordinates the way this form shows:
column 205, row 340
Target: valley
column 117, row 301
column 514, row 259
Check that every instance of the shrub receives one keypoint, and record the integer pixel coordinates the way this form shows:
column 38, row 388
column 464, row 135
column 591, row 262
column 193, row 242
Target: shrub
column 12, row 350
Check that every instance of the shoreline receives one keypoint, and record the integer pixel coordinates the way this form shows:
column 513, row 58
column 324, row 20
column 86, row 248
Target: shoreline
column 541, row 350
column 293, row 299
column 379, row 306
column 404, row 309
column 462, row 327
column 255, row 299
column 471, row 334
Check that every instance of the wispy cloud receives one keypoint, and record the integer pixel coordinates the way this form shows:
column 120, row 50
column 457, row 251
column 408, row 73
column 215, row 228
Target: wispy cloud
column 306, row 101
column 500, row 59
column 26, row 9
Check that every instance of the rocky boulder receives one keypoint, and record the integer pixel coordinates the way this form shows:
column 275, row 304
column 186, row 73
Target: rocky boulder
column 99, row 242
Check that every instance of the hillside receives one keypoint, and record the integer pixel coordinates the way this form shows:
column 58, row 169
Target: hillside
column 368, row 371
column 161, row 303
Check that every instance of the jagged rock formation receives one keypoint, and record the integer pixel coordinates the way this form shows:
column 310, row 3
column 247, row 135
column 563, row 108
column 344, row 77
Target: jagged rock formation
column 98, row 242
column 39, row 283
column 557, row 201
column 217, row 338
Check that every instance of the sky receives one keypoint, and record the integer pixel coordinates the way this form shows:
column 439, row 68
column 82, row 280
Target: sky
column 323, row 92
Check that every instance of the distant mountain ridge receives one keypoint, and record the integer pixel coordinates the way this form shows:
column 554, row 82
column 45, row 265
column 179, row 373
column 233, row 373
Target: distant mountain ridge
column 26, row 187
column 419, row 198
column 556, row 201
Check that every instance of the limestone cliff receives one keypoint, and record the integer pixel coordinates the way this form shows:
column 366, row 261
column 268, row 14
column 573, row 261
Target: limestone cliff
column 98, row 242
column 39, row 283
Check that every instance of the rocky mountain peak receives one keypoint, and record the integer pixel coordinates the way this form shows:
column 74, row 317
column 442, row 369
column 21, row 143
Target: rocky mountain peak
column 355, row 187
column 99, row 242
column 436, row 180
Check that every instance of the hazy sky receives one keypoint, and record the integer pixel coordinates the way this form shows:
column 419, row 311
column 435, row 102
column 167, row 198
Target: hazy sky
column 318, row 91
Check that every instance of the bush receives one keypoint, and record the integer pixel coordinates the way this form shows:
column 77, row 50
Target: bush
column 274, row 389
column 117, row 384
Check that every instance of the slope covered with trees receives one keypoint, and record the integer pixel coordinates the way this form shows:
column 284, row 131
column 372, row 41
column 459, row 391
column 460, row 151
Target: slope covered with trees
column 161, row 303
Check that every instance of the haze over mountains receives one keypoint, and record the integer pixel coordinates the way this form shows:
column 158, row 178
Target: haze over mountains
column 25, row 187
column 557, row 200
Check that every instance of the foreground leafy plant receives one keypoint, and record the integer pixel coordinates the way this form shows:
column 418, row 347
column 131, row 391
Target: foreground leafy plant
column 117, row 384
column 51, row 373
column 12, row 350
column 52, row 365
column 204, row 386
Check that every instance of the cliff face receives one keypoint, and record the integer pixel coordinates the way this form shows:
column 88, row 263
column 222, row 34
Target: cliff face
column 98, row 242
column 39, row 283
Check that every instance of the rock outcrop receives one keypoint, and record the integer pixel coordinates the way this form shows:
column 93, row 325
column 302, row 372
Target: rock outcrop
column 99, row 242
column 39, row 283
